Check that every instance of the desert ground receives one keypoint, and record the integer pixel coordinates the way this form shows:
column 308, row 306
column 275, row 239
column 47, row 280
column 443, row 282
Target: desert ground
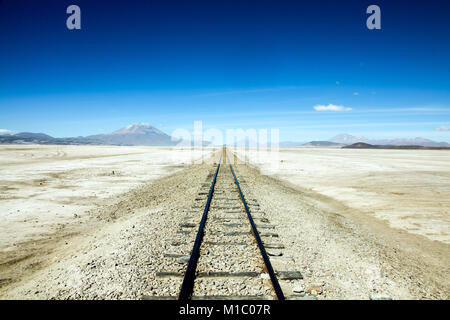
column 409, row 189
column 47, row 192
column 86, row 222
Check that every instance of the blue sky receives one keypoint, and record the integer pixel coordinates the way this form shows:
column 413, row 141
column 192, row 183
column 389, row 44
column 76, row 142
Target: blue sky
column 230, row 64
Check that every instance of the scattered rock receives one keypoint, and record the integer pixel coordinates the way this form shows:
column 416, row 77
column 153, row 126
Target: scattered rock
column 315, row 290
column 303, row 297
column 183, row 259
column 274, row 252
column 298, row 289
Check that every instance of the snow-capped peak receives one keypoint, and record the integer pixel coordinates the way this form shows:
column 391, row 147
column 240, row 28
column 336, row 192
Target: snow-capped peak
column 138, row 128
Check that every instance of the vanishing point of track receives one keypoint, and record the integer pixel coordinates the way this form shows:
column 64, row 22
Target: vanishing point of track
column 189, row 278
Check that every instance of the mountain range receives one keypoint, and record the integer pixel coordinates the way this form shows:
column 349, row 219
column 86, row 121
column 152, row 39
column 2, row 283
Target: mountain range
column 143, row 134
column 348, row 139
column 323, row 144
column 138, row 134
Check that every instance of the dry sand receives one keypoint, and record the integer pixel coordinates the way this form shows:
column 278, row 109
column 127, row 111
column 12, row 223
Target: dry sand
column 349, row 255
column 47, row 193
column 410, row 189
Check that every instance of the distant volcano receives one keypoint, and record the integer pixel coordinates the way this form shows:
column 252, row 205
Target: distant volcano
column 138, row 134
column 139, row 128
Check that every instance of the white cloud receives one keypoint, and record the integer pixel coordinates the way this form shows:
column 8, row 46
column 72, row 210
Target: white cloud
column 356, row 93
column 331, row 107
column 443, row 128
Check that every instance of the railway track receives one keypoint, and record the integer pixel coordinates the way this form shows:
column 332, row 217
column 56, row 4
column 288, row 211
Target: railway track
column 234, row 246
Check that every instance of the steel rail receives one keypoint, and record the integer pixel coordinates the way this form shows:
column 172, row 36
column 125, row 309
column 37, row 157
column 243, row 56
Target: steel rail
column 189, row 277
column 273, row 278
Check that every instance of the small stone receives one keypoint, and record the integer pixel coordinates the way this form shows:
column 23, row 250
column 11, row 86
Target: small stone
column 303, row 297
column 183, row 259
column 380, row 296
column 298, row 289
column 315, row 290
column 265, row 276
column 274, row 253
